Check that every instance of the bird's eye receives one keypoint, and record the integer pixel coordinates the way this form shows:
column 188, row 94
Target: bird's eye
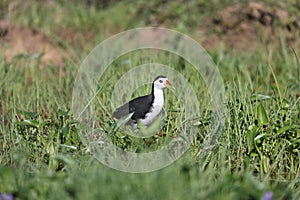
column 160, row 81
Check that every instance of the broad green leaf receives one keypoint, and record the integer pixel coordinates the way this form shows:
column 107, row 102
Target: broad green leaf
column 285, row 128
column 295, row 141
column 62, row 113
column 124, row 120
column 251, row 133
column 27, row 114
column 28, row 122
column 66, row 129
column 119, row 123
column 262, row 116
column 250, row 140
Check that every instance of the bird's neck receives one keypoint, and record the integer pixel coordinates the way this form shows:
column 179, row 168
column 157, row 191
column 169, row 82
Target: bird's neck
column 158, row 96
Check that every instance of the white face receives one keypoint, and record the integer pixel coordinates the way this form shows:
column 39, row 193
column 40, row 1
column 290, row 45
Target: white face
column 161, row 83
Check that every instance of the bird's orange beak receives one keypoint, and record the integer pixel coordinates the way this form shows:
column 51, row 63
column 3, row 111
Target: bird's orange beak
column 169, row 85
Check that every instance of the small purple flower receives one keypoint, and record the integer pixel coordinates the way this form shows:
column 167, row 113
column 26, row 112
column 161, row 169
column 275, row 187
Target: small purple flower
column 6, row 196
column 267, row 196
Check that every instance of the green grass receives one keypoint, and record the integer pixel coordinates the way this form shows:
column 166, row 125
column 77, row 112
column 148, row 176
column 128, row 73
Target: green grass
column 42, row 155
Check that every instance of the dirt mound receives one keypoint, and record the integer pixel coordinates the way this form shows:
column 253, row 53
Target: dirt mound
column 250, row 27
column 241, row 27
column 16, row 39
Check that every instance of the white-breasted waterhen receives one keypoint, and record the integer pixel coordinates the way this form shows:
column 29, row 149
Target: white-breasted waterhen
column 145, row 108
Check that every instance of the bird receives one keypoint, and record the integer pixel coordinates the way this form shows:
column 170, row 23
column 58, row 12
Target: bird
column 145, row 108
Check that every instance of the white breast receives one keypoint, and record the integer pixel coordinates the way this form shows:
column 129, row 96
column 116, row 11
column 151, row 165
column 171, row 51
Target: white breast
column 156, row 108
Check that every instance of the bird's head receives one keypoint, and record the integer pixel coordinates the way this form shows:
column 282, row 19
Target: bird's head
column 161, row 82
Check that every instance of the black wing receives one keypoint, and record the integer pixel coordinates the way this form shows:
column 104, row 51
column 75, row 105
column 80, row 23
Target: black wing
column 139, row 106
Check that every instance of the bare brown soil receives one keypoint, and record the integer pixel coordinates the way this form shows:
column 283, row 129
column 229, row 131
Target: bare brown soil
column 16, row 39
column 251, row 27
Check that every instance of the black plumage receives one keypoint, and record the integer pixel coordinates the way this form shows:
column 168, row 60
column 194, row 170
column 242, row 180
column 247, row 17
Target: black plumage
column 139, row 107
